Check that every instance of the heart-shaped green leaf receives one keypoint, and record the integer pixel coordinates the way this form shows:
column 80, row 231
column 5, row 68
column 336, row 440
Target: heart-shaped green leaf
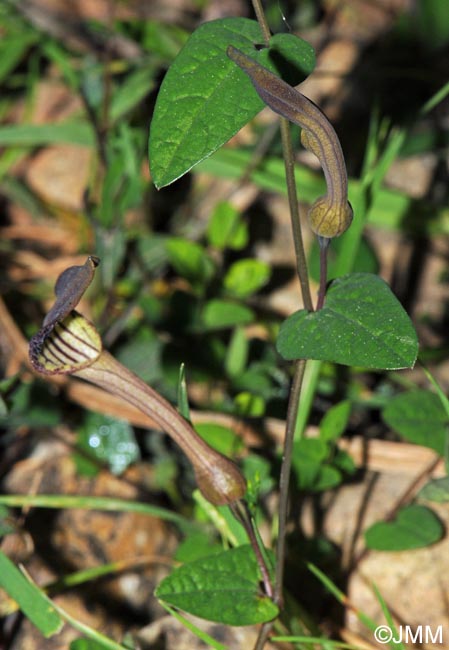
column 420, row 417
column 205, row 98
column 223, row 587
column 414, row 527
column 361, row 324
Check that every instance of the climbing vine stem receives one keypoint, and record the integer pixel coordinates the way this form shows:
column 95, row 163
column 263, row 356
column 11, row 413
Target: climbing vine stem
column 299, row 368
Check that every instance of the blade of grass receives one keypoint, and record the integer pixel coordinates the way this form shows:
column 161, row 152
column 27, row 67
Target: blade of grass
column 109, row 504
column 445, row 402
column 435, row 99
column 311, row 377
column 36, row 135
column 216, row 517
column 203, row 636
column 87, row 631
column 87, row 575
column 13, row 49
column 443, row 399
column 183, row 398
column 316, row 641
column 59, row 56
column 341, row 597
column 389, row 619
column 137, row 85
column 31, row 600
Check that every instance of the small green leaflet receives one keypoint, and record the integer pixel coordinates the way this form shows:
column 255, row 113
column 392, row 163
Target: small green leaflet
column 221, row 314
column 190, row 260
column 414, row 527
column 245, row 277
column 335, row 421
column 420, row 417
column 436, row 490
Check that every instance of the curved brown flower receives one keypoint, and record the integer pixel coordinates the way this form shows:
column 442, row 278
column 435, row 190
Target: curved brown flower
column 331, row 214
column 69, row 344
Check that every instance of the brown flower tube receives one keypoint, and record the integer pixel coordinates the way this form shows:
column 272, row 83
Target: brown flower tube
column 69, row 344
column 331, row 214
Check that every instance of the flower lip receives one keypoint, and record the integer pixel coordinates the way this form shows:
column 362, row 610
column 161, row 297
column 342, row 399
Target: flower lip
column 67, row 341
column 69, row 289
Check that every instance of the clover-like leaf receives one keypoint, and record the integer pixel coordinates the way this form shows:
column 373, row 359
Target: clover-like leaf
column 361, row 324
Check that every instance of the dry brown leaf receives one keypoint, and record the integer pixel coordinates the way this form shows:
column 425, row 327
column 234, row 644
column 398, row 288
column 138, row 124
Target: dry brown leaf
column 59, row 175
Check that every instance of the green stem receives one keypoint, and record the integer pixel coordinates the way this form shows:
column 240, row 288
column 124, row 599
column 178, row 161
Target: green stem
column 324, row 246
column 310, row 382
column 301, row 262
column 261, row 19
column 289, row 162
column 284, row 480
column 284, row 483
column 300, row 365
column 241, row 512
column 263, row 635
